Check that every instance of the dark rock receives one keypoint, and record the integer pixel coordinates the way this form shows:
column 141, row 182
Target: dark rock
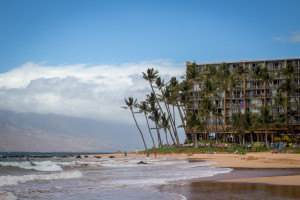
column 78, row 157
column 111, row 157
column 97, row 156
column 86, row 156
column 141, row 163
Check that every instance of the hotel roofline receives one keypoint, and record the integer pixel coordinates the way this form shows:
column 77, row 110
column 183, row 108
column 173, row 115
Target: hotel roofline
column 245, row 61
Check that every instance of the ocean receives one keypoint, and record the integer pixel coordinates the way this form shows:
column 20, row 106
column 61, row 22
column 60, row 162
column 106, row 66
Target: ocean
column 57, row 176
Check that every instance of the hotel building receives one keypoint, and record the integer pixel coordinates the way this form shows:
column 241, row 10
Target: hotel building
column 251, row 96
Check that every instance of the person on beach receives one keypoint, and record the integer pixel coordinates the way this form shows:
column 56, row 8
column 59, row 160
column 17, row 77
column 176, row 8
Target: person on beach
column 125, row 154
column 136, row 151
column 155, row 153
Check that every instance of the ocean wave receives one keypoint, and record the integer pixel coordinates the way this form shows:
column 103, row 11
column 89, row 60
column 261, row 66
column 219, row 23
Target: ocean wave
column 36, row 165
column 7, row 196
column 166, row 178
column 15, row 180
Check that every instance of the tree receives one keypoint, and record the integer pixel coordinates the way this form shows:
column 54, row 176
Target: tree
column 290, row 88
column 265, row 120
column 194, row 123
column 231, row 81
column 130, row 103
column 249, row 122
column 151, row 76
column 143, row 108
column 163, row 97
column 164, row 124
column 155, row 115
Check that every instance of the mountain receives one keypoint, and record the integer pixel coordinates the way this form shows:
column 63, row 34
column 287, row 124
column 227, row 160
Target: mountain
column 49, row 132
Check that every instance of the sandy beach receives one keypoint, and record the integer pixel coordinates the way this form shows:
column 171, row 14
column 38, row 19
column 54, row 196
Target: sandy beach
column 265, row 160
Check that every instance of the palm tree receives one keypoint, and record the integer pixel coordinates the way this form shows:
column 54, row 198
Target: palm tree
column 231, row 81
column 249, row 122
column 191, row 123
column 265, row 120
column 206, row 108
column 266, row 78
column 155, row 117
column 161, row 85
column 130, row 103
column 184, row 101
column 222, row 75
column 165, row 125
column 151, row 76
column 238, row 123
column 194, row 123
column 290, row 88
column 170, row 101
column 143, row 108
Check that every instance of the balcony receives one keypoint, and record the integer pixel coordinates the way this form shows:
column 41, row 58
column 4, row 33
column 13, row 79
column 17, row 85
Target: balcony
column 255, row 95
column 254, row 105
column 254, row 87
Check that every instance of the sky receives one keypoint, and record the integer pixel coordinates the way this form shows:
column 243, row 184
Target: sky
column 81, row 58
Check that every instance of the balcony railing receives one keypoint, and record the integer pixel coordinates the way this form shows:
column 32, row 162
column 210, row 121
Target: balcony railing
column 254, row 87
column 254, row 105
column 255, row 95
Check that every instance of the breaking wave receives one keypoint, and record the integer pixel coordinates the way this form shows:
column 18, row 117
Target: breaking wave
column 15, row 180
column 44, row 166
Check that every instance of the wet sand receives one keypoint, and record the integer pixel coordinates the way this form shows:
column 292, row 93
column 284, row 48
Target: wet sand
column 213, row 187
column 241, row 191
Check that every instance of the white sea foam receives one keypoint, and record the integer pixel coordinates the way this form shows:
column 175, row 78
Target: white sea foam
column 15, row 180
column 158, row 171
column 7, row 196
column 36, row 165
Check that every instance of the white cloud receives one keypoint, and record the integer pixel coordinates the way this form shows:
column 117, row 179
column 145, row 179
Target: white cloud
column 78, row 90
column 281, row 39
column 294, row 37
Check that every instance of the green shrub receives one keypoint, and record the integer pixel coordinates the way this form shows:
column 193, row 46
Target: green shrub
column 286, row 138
column 277, row 139
column 256, row 144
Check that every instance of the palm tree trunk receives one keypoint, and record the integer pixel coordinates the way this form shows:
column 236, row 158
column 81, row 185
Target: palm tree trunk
column 150, row 131
column 195, row 138
column 266, row 136
column 216, row 132
column 166, row 137
column 156, row 98
column 232, row 124
column 139, row 129
column 171, row 120
column 183, row 122
column 251, row 137
column 224, row 132
column 172, row 136
column 158, row 135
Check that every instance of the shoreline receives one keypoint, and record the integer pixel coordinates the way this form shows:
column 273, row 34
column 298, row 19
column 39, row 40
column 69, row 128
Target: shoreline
column 255, row 161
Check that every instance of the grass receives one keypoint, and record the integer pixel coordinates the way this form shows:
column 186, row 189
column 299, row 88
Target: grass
column 193, row 150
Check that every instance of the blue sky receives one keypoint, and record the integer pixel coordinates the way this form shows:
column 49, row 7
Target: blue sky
column 117, row 31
